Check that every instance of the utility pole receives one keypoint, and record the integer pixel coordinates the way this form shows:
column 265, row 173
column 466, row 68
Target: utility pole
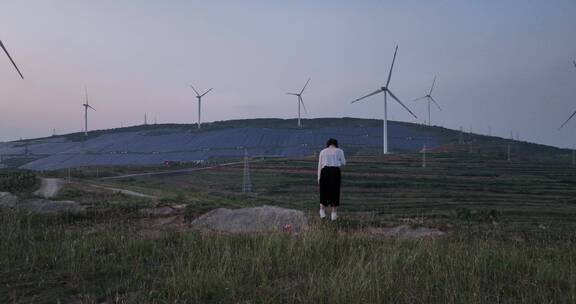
column 509, row 152
column 246, row 181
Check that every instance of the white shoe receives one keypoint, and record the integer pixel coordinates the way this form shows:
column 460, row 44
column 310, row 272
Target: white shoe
column 322, row 213
column 333, row 216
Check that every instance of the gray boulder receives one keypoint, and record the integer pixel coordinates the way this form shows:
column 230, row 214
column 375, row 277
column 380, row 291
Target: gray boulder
column 251, row 220
column 405, row 231
column 49, row 207
column 8, row 200
column 39, row 205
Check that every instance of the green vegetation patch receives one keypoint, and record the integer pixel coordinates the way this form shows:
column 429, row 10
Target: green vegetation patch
column 18, row 181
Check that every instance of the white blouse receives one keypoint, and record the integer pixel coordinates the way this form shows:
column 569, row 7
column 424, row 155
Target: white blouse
column 331, row 157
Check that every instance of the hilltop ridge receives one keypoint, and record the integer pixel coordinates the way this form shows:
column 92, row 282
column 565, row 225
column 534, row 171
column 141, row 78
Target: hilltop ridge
column 156, row 144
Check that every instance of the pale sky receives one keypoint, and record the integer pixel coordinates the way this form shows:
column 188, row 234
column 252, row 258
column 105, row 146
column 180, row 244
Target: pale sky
column 503, row 64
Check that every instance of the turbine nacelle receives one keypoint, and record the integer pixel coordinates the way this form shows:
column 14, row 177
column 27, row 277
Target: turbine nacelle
column 88, row 106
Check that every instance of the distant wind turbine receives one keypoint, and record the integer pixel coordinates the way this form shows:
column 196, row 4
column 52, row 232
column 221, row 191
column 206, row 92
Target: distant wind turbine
column 199, row 96
column 86, row 106
column 430, row 100
column 11, row 60
column 300, row 101
column 387, row 92
column 573, row 114
column 567, row 120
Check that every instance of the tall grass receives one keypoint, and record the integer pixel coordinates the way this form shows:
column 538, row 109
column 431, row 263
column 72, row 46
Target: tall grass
column 45, row 260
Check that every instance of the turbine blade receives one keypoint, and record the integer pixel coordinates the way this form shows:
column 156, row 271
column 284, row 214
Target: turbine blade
column 11, row 60
column 373, row 93
column 423, row 97
column 434, row 101
column 91, row 107
column 398, row 100
column 305, row 86
column 432, row 88
column 86, row 94
column 206, row 92
column 301, row 100
column 567, row 120
column 197, row 94
column 295, row 94
column 391, row 67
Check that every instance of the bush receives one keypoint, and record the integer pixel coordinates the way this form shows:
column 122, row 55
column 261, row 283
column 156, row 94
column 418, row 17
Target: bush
column 17, row 181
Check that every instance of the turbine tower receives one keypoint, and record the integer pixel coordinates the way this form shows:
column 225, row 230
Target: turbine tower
column 199, row 96
column 11, row 60
column 387, row 92
column 300, row 101
column 430, row 100
column 86, row 106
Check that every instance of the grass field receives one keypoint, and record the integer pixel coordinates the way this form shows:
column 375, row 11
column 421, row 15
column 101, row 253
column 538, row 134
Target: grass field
column 451, row 187
column 510, row 237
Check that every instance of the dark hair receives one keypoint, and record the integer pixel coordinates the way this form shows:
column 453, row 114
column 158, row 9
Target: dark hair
column 332, row 142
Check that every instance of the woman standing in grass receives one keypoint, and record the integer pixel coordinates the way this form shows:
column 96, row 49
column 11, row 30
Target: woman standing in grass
column 329, row 177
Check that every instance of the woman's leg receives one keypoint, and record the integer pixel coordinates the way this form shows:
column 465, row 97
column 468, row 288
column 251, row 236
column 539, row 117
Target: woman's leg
column 322, row 211
column 333, row 214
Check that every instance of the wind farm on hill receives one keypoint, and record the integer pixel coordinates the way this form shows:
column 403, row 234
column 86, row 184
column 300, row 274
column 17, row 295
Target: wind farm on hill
column 227, row 211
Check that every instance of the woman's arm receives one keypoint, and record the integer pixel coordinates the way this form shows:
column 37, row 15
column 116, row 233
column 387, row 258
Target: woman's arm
column 319, row 165
column 342, row 158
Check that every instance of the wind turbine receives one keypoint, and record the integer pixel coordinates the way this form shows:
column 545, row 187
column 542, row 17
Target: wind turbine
column 567, row 120
column 199, row 96
column 10, row 57
column 387, row 92
column 86, row 106
column 573, row 114
column 300, row 101
column 430, row 100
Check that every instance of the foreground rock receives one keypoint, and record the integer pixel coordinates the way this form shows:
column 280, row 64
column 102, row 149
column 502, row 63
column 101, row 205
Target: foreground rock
column 49, row 207
column 251, row 220
column 163, row 210
column 405, row 231
column 8, row 200
column 45, row 206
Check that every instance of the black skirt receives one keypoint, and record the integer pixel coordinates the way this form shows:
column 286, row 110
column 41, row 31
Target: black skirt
column 330, row 180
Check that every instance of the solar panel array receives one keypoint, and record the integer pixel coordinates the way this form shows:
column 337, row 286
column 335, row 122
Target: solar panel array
column 156, row 146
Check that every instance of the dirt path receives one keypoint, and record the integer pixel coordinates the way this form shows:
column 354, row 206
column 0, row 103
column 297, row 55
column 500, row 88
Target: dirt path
column 180, row 171
column 124, row 191
column 49, row 187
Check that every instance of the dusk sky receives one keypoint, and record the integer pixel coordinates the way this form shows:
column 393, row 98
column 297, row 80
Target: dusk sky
column 500, row 64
